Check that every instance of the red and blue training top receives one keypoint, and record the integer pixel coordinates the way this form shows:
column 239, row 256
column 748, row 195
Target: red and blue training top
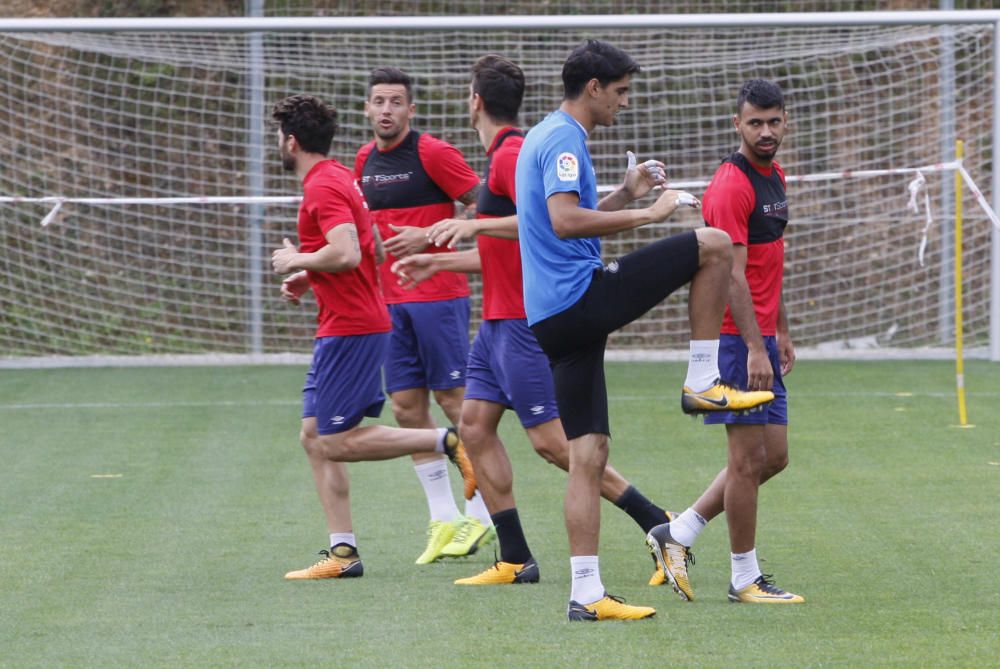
column 749, row 203
column 415, row 183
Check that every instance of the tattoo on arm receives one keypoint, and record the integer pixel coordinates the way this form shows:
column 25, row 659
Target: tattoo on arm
column 469, row 197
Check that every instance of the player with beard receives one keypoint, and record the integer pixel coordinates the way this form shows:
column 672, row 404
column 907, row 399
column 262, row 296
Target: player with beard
column 336, row 260
column 746, row 198
column 411, row 180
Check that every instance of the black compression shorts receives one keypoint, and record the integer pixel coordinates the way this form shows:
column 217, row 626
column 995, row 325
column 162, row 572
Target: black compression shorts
column 575, row 339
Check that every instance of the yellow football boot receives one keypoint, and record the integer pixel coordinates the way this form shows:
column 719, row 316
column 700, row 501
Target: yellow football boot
column 763, row 591
column 470, row 536
column 673, row 559
column 608, row 608
column 723, row 397
column 504, row 573
column 455, row 450
column 439, row 535
column 341, row 561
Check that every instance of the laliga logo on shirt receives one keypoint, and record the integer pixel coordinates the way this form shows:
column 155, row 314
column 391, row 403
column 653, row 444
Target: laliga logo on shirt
column 567, row 167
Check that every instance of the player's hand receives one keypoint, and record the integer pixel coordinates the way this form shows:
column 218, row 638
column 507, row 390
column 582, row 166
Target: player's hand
column 642, row 178
column 786, row 353
column 670, row 200
column 283, row 259
column 294, row 286
column 451, row 231
column 413, row 269
column 760, row 374
column 407, row 240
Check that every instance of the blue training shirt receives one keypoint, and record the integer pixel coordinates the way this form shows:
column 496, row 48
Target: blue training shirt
column 554, row 159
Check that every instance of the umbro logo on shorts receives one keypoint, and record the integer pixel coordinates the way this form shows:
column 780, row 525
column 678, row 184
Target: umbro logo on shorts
column 337, row 420
column 537, row 409
column 455, row 374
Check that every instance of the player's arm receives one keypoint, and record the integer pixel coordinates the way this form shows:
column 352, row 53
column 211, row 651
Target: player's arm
column 419, row 267
column 379, row 246
column 469, row 197
column 341, row 253
column 295, row 286
column 570, row 220
column 760, row 375
column 786, row 350
column 451, row 231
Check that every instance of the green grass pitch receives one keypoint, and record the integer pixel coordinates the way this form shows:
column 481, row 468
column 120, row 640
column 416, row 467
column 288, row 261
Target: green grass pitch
column 148, row 515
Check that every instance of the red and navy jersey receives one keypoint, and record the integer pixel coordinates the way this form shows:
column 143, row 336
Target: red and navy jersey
column 749, row 203
column 349, row 302
column 415, row 183
column 503, row 290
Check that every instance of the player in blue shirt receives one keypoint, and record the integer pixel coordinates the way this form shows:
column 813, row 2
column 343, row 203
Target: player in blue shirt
column 573, row 301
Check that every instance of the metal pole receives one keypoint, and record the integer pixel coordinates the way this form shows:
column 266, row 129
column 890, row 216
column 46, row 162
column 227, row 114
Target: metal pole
column 995, row 245
column 946, row 94
column 255, row 181
column 592, row 21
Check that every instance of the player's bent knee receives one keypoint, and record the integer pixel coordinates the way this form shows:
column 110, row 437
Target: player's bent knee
column 714, row 244
column 554, row 454
column 410, row 416
column 337, row 447
column 774, row 466
column 474, row 436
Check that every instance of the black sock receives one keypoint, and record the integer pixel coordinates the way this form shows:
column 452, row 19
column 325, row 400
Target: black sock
column 646, row 514
column 513, row 545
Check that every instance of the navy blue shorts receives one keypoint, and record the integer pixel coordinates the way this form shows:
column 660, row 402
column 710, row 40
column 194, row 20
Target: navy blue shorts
column 429, row 346
column 508, row 367
column 344, row 383
column 733, row 368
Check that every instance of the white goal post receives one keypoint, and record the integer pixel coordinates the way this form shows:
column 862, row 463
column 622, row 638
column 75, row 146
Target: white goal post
column 151, row 137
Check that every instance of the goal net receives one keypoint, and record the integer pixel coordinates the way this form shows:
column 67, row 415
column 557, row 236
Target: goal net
column 158, row 114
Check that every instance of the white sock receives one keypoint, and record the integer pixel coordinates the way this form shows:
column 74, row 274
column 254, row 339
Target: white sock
column 476, row 508
column 587, row 586
column 745, row 569
column 433, row 477
column 686, row 527
column 703, row 364
column 442, row 431
column 343, row 538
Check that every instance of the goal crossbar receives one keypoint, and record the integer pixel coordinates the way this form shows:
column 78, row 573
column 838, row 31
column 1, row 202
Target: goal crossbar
column 521, row 22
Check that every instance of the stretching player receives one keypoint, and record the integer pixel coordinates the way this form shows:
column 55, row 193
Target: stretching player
column 746, row 199
column 507, row 368
column 411, row 180
column 573, row 302
column 336, row 259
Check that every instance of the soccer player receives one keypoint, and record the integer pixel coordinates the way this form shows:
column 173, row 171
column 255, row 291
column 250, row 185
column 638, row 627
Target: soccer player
column 336, row 259
column 573, row 302
column 746, row 199
column 507, row 368
column 411, row 180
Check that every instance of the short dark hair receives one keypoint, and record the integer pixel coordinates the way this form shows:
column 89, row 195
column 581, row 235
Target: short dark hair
column 391, row 75
column 311, row 121
column 762, row 94
column 500, row 84
column 595, row 60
